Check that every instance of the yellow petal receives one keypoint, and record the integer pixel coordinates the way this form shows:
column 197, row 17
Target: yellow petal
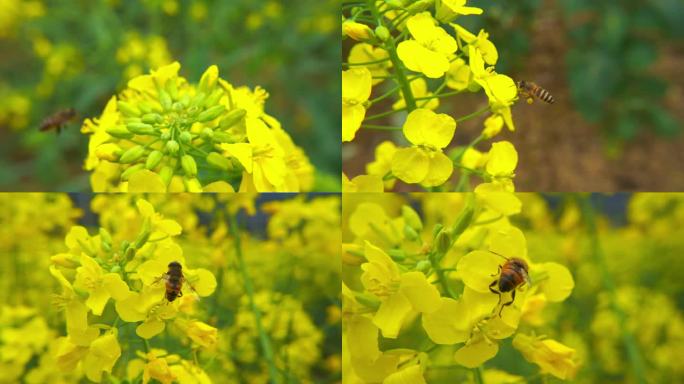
column 391, row 315
column 424, row 297
column 356, row 85
column 202, row 281
column 150, row 328
column 425, row 127
column 449, row 324
column 441, row 169
column 559, row 284
column 168, row 226
column 409, row 375
column 146, row 181
column 410, row 165
column 115, row 286
column 97, row 300
column 479, row 269
column 242, row 152
column 503, row 158
column 476, row 353
column 219, row 187
column 509, row 242
column 352, row 117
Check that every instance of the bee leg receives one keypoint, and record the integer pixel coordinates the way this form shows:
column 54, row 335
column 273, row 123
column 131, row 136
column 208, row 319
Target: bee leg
column 508, row 303
column 160, row 278
column 497, row 273
column 180, row 293
column 491, row 289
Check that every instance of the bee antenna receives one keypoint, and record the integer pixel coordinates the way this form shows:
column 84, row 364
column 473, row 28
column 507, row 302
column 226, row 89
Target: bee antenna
column 498, row 254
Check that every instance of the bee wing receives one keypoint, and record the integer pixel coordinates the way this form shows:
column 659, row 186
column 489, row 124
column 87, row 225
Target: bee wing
column 194, row 291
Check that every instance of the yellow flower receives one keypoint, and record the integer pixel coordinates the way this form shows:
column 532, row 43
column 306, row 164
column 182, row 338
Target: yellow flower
column 262, row 158
column 425, row 163
column 429, row 50
column 153, row 365
column 102, row 355
column 502, row 160
column 500, row 89
column 551, row 356
column 459, row 76
column 201, row 333
column 400, row 293
column 366, row 53
column 382, row 164
column 447, row 10
column 481, row 42
column 356, row 89
column 100, row 286
column 367, row 361
column 362, row 183
column 146, row 306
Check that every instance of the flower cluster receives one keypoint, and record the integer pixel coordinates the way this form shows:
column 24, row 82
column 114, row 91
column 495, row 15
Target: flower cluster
column 414, row 53
column 95, row 271
column 163, row 134
column 434, row 293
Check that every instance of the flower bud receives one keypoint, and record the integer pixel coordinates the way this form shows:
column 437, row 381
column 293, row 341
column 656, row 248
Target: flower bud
column 208, row 79
column 207, row 134
column 367, row 300
column 132, row 154
column 211, row 113
column 128, row 109
column 411, row 218
column 172, row 88
column 166, row 173
column 151, row 118
column 185, row 137
column 233, row 117
column 218, row 161
column 165, row 135
column 153, row 159
column 410, row 233
column 65, row 260
column 213, row 98
column 436, row 229
column 125, row 175
column 192, row 185
column 223, row 137
column 397, row 254
column 356, row 31
column 382, row 33
column 165, row 100
column 443, row 241
column 144, row 234
column 423, row 266
column 172, row 147
column 198, row 99
column 463, row 220
column 189, row 166
column 419, row 6
column 140, row 128
column 105, row 236
column 119, row 131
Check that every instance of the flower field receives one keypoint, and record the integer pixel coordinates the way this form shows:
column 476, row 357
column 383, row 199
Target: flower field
column 89, row 295
column 596, row 295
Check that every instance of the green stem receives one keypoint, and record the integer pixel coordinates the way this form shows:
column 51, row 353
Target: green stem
column 477, row 372
column 365, row 63
column 396, row 62
column 381, row 127
column 249, row 289
column 383, row 114
column 633, row 353
column 474, row 114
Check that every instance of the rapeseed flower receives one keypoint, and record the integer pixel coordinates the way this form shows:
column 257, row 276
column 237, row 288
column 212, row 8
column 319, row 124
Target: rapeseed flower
column 551, row 356
column 429, row 50
column 425, row 163
column 356, row 89
column 163, row 134
column 362, row 53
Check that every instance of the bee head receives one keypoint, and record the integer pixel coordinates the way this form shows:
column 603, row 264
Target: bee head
column 175, row 264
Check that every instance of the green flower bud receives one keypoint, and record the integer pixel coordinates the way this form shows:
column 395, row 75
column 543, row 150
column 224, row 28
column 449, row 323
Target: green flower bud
column 165, row 135
column 419, row 6
column 397, row 254
column 172, row 147
column 223, row 137
column 115, row 269
column 119, row 131
column 382, row 33
column 207, row 133
column 218, row 161
column 166, row 173
column 410, row 233
column 423, row 266
column 105, row 237
column 367, row 300
column 463, row 220
column 411, row 218
column 141, row 128
column 436, row 229
column 213, row 98
column 125, row 175
column 443, row 241
column 198, row 99
column 132, row 154
column 151, row 118
column 233, row 117
column 211, row 113
column 177, row 106
column 153, row 159
column 165, row 100
column 189, row 166
column 128, row 109
column 185, row 137
column 144, row 234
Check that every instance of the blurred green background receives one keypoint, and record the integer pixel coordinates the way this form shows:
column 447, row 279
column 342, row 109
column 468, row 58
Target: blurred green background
column 63, row 53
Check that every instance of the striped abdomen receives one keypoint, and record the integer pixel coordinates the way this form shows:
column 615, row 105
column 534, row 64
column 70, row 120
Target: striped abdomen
column 173, row 287
column 543, row 95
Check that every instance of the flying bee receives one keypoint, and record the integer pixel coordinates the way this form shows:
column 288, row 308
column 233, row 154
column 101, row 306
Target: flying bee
column 174, row 279
column 513, row 274
column 57, row 120
column 530, row 90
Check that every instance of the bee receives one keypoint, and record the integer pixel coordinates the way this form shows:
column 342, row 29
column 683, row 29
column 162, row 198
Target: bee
column 57, row 120
column 174, row 279
column 513, row 274
column 530, row 90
